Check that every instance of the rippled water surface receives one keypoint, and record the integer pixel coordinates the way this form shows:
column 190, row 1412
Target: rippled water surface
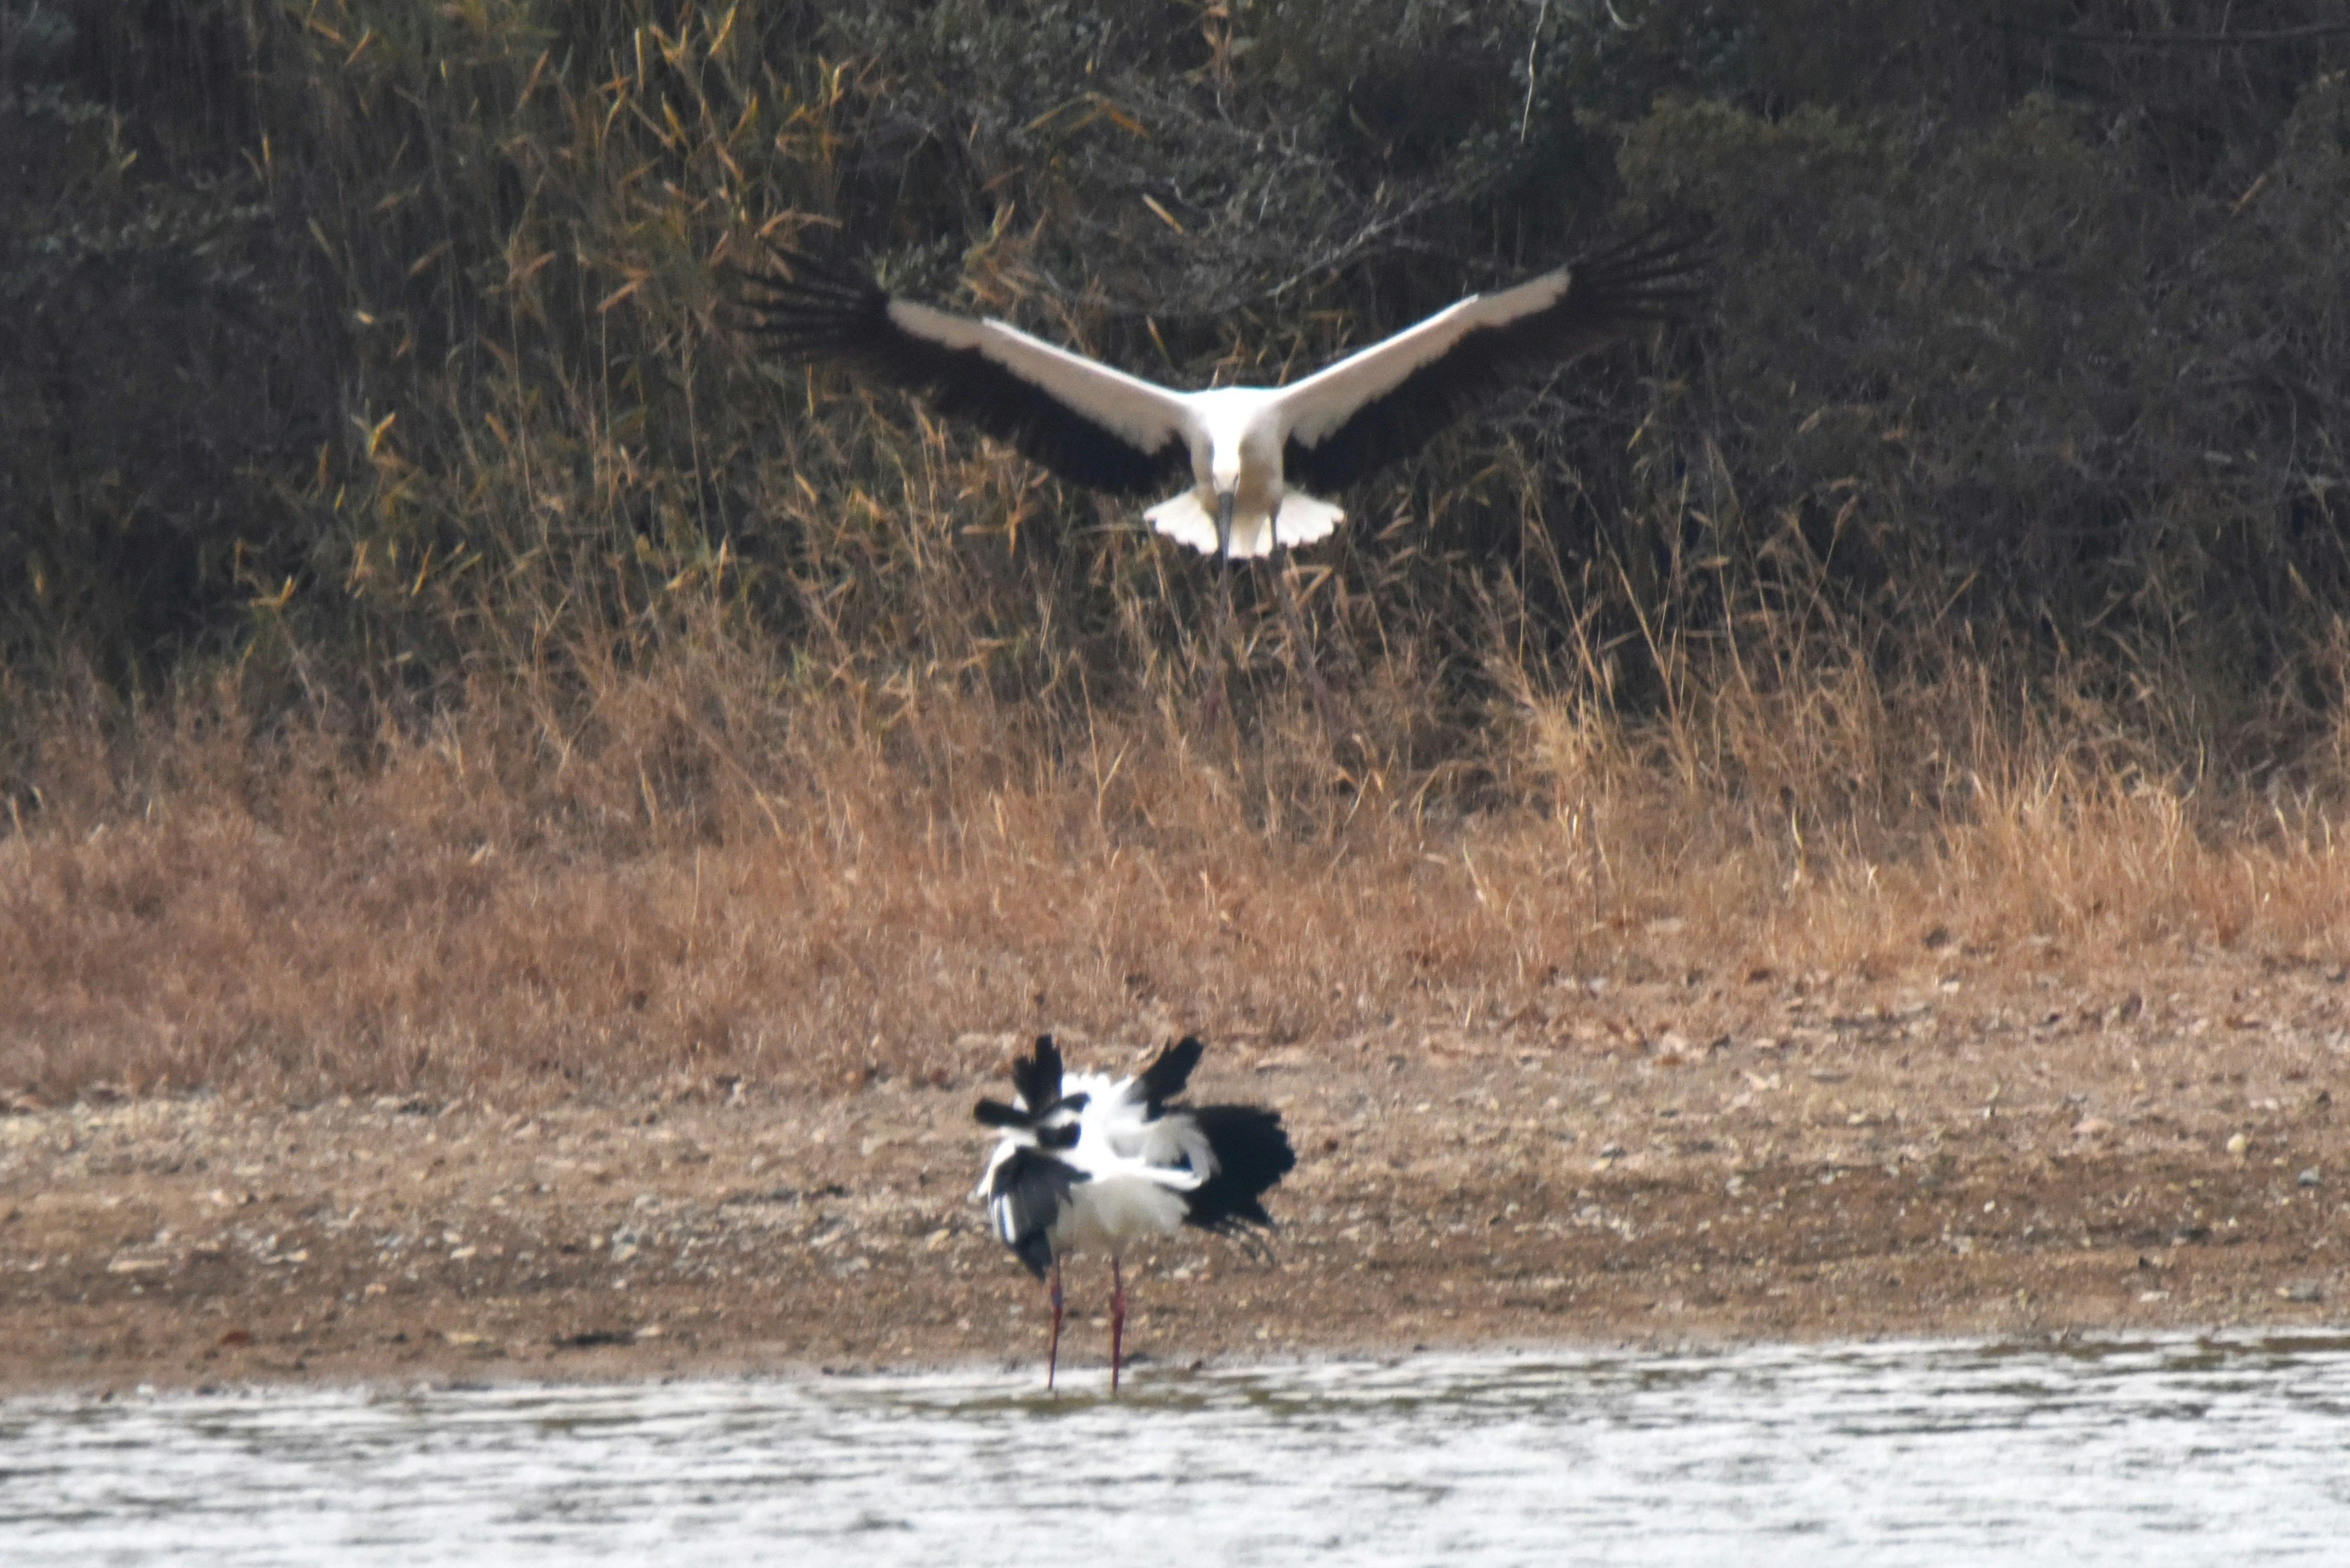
column 2158, row 1451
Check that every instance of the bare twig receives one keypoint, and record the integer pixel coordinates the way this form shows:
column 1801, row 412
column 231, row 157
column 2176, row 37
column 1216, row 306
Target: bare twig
column 1526, row 114
column 2301, row 35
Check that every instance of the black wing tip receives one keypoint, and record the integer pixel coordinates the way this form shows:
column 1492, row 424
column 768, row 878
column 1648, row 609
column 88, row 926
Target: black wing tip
column 1615, row 288
column 806, row 303
column 996, row 1113
column 1036, row 1077
column 1170, row 1070
column 1652, row 273
column 1253, row 1154
column 1035, row 1250
column 813, row 306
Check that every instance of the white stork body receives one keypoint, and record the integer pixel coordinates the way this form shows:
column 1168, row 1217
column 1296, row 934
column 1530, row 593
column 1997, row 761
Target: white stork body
column 1236, row 434
column 1112, row 1211
column 1232, row 435
column 1087, row 1163
column 1255, row 454
column 1129, row 1174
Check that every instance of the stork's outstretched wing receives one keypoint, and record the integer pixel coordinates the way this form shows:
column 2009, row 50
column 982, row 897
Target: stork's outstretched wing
column 1168, row 1071
column 1025, row 1190
column 1085, row 421
column 1037, row 1078
column 1386, row 402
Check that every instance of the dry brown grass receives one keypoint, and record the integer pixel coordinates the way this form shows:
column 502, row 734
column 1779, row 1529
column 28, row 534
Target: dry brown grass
column 591, row 707
column 696, row 871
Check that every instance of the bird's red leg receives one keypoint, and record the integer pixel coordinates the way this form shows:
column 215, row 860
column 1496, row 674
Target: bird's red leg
column 1116, row 1321
column 1053, row 1355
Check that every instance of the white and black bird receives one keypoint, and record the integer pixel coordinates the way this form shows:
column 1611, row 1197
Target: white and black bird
column 1090, row 1163
column 1263, row 463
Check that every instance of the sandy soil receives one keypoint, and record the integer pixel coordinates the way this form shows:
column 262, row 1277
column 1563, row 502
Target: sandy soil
column 1990, row 1150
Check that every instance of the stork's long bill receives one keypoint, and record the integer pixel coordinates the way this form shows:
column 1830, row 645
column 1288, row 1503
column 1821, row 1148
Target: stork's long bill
column 1262, row 460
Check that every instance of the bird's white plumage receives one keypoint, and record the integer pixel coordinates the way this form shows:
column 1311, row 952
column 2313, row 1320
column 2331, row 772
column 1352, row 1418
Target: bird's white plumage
column 1091, row 1163
column 1117, row 1135
column 1302, row 519
column 1319, row 404
column 1235, row 434
column 1118, row 432
column 1130, row 1168
column 1110, row 1213
column 1140, row 410
column 1095, row 1173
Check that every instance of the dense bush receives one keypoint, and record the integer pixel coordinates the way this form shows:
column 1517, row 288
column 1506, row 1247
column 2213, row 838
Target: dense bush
column 375, row 347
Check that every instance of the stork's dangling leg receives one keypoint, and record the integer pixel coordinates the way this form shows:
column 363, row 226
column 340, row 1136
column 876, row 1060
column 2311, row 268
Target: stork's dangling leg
column 1294, row 624
column 1053, row 1353
column 1116, row 1321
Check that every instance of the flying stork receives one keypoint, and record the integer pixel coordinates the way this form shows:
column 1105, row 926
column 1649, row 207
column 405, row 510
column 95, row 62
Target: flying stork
column 1262, row 462
column 1086, row 1162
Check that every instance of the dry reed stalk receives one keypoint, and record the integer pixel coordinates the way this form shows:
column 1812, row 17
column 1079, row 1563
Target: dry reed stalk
column 687, row 878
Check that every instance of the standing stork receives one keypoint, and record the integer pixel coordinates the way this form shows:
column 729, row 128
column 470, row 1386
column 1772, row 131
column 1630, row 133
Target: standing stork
column 1089, row 1163
column 1261, row 460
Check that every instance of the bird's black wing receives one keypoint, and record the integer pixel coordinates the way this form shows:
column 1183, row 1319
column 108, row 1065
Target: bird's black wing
column 808, row 307
column 1651, row 277
column 1023, row 1199
column 1169, row 1072
column 1252, row 1153
column 1037, row 1078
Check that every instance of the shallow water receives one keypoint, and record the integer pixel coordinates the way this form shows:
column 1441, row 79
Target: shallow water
column 2171, row 1451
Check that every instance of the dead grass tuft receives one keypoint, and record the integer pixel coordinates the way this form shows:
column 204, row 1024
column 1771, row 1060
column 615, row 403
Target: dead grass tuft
column 693, row 871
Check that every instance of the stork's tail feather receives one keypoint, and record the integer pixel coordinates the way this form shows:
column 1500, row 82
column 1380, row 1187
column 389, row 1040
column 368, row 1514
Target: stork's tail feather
column 1252, row 1154
column 1304, row 519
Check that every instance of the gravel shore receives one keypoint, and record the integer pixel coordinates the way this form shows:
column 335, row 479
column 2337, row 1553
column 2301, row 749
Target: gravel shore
column 1879, row 1162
